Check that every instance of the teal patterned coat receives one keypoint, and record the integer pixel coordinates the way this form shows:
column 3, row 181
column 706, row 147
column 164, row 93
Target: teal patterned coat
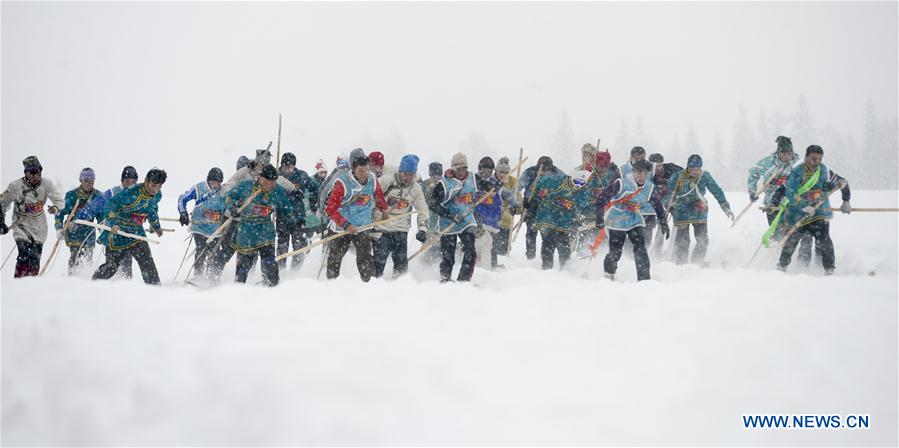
column 690, row 205
column 76, row 234
column 129, row 209
column 560, row 203
column 255, row 228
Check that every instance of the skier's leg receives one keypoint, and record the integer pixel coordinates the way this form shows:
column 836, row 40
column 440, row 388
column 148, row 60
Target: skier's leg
column 298, row 235
column 448, row 256
column 616, row 245
column 282, row 233
column 201, row 253
column 563, row 245
column 28, row 259
column 74, row 252
column 650, row 225
column 469, row 256
column 400, row 253
column 641, row 258
column 270, row 271
column 144, row 258
column 530, row 240
column 364, row 261
column 244, row 264
column 114, row 258
column 681, row 244
column 220, row 259
column 548, row 248
column 701, row 232
column 85, row 255
column 380, row 251
column 336, row 251
column 786, row 254
column 824, row 244
column 805, row 249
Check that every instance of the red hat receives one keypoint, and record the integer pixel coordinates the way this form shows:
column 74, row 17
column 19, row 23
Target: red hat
column 376, row 158
column 603, row 159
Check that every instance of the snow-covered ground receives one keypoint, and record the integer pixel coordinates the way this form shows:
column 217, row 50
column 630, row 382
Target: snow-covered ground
column 523, row 357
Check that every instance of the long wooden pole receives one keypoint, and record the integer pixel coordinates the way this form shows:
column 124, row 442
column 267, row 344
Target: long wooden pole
column 854, row 209
column 278, row 158
column 437, row 237
column 757, row 193
column 303, row 250
column 58, row 240
column 109, row 229
column 529, row 197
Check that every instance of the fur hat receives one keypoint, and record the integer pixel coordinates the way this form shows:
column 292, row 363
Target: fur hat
column 459, row 161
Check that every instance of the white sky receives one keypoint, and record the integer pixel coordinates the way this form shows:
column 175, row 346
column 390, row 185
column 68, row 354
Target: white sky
column 186, row 86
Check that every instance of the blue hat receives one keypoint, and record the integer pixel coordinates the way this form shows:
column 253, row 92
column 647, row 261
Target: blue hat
column 409, row 164
column 694, row 161
column 87, row 174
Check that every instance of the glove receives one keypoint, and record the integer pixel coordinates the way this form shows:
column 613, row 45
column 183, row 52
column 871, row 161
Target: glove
column 753, row 197
column 808, row 210
column 183, row 219
column 53, row 209
column 421, row 236
column 60, row 234
column 841, row 184
column 663, row 227
column 158, row 232
column 729, row 213
column 3, row 229
column 846, row 208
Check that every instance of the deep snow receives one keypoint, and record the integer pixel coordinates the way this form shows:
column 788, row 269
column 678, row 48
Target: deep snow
column 524, row 357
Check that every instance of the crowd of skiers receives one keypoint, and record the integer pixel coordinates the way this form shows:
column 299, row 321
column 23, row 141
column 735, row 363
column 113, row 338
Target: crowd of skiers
column 268, row 213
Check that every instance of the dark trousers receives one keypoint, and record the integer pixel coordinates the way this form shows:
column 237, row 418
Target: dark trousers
column 805, row 243
column 288, row 233
column 554, row 240
column 651, row 222
column 140, row 252
column 222, row 255
column 203, row 253
column 28, row 258
column 585, row 239
column 820, row 231
column 339, row 247
column 500, row 246
column 448, row 256
column 391, row 244
column 80, row 255
column 530, row 240
column 682, row 243
column 245, row 262
column 616, row 245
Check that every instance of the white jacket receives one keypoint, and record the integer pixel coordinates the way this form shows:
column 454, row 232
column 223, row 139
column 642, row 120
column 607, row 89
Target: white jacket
column 28, row 212
column 402, row 199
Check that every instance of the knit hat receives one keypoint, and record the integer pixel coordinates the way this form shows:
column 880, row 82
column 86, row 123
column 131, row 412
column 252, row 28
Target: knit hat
column 503, row 165
column 603, row 159
column 320, row 167
column 694, row 161
column 435, row 169
column 486, row 162
column 642, row 165
column 546, row 162
column 376, row 158
column 215, row 174
column 31, row 163
column 269, row 172
column 242, row 161
column 358, row 152
column 156, row 175
column 288, row 159
column 360, row 161
column 656, row 158
column 87, row 174
column 637, row 150
column 784, row 144
column 459, row 161
column 588, row 148
column 129, row 173
column 408, row 164
column 814, row 149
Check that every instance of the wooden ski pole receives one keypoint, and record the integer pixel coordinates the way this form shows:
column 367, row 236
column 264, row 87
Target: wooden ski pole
column 303, row 250
column 55, row 250
column 757, row 193
column 186, row 249
column 109, row 229
column 797, row 225
column 863, row 209
column 520, row 156
column 11, row 250
column 278, row 158
column 427, row 244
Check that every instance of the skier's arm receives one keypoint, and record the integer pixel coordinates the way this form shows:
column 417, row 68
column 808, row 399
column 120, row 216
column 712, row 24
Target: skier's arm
column 54, row 195
column 421, row 206
column 332, row 207
column 438, row 196
column 312, row 189
column 285, row 210
column 189, row 195
column 755, row 173
column 656, row 201
column 794, row 180
column 59, row 219
column 604, row 197
column 717, row 192
column 153, row 214
column 836, row 180
column 8, row 196
column 380, row 202
column 671, row 190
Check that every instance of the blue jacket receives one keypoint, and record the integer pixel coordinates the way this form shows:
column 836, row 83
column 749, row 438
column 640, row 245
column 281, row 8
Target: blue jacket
column 129, row 209
column 827, row 181
column 306, row 190
column 773, row 169
column 76, row 234
column 255, row 228
column 454, row 197
column 560, row 203
column 209, row 208
column 625, row 211
column 689, row 205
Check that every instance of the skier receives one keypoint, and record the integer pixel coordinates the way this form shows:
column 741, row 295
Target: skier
column 688, row 206
column 435, row 173
column 661, row 174
column 649, row 216
column 544, row 167
column 96, row 210
column 559, row 199
column 452, row 197
column 313, row 222
column 353, row 195
column 126, row 211
column 254, row 232
column 28, row 194
column 341, row 168
column 208, row 215
column 79, row 238
column 604, row 172
column 773, row 170
column 488, row 213
column 402, row 193
column 806, row 204
column 303, row 186
column 511, row 206
column 588, row 158
column 627, row 196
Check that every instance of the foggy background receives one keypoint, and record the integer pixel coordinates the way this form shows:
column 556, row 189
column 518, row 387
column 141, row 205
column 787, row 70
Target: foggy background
column 188, row 86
